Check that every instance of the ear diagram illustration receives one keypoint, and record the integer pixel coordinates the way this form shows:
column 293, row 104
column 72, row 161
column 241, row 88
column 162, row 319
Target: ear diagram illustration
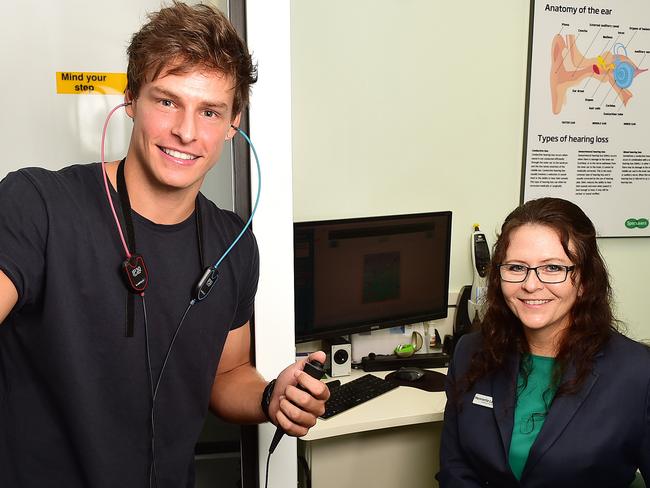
column 624, row 72
column 569, row 67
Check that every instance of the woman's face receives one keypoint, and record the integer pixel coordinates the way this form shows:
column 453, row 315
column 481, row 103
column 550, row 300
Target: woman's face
column 544, row 309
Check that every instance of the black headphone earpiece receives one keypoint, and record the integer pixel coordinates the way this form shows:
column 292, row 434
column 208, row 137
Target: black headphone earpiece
column 236, row 129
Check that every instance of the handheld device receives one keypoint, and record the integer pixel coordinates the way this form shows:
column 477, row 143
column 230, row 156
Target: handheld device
column 314, row 369
column 480, row 262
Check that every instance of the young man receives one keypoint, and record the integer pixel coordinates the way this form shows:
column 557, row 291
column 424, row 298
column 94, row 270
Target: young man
column 91, row 391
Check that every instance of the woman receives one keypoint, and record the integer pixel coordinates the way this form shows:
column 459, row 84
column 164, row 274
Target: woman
column 547, row 393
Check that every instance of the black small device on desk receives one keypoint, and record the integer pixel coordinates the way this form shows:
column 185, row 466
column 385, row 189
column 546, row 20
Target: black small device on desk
column 390, row 362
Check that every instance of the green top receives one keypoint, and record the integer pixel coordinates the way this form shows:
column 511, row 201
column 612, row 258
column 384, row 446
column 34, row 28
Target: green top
column 533, row 400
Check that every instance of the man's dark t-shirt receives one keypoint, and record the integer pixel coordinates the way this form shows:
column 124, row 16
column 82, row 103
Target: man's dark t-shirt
column 75, row 395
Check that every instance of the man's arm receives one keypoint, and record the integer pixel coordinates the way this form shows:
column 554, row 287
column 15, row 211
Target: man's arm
column 8, row 296
column 237, row 389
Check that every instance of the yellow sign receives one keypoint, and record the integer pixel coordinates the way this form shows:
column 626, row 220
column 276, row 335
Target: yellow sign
column 83, row 83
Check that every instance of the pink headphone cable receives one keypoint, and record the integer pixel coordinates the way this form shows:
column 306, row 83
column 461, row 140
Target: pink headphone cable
column 108, row 192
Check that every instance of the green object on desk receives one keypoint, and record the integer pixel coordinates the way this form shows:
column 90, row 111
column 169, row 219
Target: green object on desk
column 405, row 350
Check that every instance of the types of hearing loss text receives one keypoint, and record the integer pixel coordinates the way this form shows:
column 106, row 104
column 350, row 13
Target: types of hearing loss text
column 595, row 170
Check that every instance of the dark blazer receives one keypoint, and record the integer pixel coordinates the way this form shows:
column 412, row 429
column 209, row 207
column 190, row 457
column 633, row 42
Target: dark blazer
column 597, row 437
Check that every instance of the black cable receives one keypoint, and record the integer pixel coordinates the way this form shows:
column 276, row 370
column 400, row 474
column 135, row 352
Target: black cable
column 148, row 351
column 268, row 460
column 169, row 349
column 152, row 462
column 303, row 464
column 154, row 390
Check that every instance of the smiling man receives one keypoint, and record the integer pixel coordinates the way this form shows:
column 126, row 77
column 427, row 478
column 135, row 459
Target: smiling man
column 103, row 387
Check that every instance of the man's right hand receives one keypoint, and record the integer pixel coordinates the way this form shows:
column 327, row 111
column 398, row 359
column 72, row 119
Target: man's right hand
column 8, row 296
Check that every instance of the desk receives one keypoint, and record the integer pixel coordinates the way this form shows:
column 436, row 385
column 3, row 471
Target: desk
column 392, row 440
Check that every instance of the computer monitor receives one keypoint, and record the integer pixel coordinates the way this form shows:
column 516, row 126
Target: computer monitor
column 361, row 274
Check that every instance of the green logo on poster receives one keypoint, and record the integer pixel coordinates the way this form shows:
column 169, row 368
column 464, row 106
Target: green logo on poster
column 636, row 223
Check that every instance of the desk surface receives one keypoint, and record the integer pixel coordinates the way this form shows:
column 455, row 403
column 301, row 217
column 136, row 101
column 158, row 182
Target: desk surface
column 402, row 406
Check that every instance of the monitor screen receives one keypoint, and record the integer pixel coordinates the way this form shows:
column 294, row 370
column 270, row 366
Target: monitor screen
column 361, row 274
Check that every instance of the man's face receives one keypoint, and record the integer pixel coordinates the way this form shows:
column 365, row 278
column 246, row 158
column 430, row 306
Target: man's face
column 180, row 125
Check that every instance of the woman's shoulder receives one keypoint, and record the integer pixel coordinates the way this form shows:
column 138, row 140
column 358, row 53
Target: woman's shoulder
column 624, row 360
column 621, row 346
column 623, row 367
column 469, row 342
column 466, row 346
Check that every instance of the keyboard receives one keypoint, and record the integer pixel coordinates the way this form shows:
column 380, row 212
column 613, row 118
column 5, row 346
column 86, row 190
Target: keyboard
column 354, row 393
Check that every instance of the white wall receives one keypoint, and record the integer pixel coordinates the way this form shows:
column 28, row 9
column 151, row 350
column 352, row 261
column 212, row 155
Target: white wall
column 270, row 127
column 413, row 105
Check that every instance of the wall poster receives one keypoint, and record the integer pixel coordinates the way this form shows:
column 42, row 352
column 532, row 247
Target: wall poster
column 587, row 127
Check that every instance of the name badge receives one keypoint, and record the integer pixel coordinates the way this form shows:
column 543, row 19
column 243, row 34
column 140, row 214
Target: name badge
column 482, row 400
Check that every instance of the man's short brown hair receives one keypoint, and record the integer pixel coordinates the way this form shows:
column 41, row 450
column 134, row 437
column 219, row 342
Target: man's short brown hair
column 182, row 38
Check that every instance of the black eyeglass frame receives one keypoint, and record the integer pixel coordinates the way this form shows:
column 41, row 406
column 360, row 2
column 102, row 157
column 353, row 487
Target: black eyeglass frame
column 567, row 270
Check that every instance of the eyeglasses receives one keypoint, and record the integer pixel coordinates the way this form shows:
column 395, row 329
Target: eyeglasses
column 547, row 273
